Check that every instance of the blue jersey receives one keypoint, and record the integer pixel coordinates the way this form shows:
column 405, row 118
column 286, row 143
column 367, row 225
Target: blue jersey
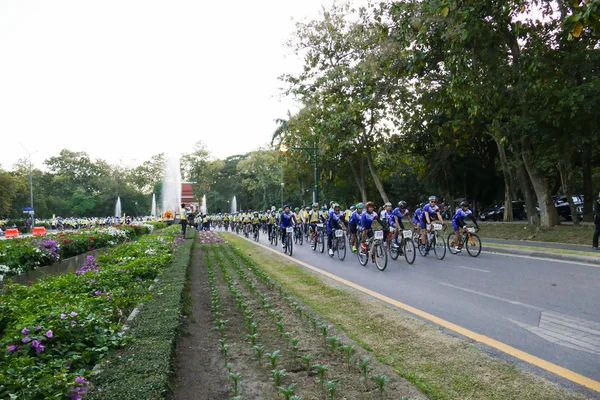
column 460, row 215
column 333, row 222
column 397, row 213
column 285, row 219
column 355, row 218
column 366, row 219
column 417, row 216
column 431, row 210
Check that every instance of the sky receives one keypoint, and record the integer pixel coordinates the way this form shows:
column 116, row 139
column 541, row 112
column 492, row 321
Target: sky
column 124, row 80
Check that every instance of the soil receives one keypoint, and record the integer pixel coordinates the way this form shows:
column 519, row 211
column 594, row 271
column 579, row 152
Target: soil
column 200, row 366
column 200, row 372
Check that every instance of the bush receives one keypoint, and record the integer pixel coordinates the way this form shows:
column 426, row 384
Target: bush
column 158, row 225
column 23, row 229
column 53, row 332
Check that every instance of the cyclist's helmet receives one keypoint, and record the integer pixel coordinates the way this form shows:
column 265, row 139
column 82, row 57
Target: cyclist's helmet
column 315, row 205
column 297, row 209
column 402, row 204
column 280, row 209
column 352, row 207
column 336, row 205
column 432, row 198
column 255, row 212
column 421, row 205
column 465, row 204
column 324, row 208
column 360, row 206
column 370, row 204
column 287, row 206
column 388, row 204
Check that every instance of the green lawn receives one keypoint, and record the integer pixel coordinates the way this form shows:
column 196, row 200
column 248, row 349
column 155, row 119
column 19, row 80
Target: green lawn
column 559, row 234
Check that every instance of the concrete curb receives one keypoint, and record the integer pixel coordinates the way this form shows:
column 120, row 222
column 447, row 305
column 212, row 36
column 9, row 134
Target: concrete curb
column 542, row 254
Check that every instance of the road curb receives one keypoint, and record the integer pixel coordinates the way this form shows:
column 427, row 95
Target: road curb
column 542, row 254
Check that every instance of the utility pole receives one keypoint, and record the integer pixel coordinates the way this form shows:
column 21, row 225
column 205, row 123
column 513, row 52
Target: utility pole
column 30, row 188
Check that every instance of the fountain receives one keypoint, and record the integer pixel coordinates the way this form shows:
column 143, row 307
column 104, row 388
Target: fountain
column 118, row 208
column 233, row 205
column 203, row 206
column 171, row 187
column 153, row 212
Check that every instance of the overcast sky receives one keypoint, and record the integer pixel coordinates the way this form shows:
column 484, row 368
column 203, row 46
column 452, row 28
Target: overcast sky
column 124, row 80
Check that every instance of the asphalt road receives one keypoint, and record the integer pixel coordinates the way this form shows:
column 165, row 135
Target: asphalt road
column 550, row 309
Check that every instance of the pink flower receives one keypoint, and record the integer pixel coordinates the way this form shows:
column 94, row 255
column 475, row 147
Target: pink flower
column 49, row 334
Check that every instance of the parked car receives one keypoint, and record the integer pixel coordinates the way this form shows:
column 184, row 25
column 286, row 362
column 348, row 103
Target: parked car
column 496, row 212
column 561, row 203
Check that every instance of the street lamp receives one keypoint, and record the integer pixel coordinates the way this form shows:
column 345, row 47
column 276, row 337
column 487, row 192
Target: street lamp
column 30, row 188
column 313, row 152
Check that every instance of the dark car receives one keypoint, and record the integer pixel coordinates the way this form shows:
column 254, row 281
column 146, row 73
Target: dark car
column 561, row 203
column 496, row 212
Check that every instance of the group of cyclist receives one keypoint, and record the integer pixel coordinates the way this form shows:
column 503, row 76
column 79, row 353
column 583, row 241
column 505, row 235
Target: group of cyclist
column 359, row 220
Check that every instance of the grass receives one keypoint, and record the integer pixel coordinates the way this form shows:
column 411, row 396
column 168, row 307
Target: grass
column 442, row 366
column 491, row 246
column 143, row 369
column 570, row 234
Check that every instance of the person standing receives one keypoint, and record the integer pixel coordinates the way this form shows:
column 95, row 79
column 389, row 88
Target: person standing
column 596, row 223
column 183, row 219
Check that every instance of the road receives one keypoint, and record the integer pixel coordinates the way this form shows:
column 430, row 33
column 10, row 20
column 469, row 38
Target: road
column 549, row 309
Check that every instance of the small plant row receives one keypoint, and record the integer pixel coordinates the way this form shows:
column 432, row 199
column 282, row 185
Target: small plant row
column 220, row 325
column 334, row 343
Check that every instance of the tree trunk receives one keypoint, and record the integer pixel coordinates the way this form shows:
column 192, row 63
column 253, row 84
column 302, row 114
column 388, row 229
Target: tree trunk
column 588, row 194
column 360, row 178
column 376, row 179
column 548, row 214
column 508, row 181
column 528, row 194
column 565, row 169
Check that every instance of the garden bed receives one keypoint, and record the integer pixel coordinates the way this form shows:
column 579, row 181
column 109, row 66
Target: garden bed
column 53, row 332
column 271, row 346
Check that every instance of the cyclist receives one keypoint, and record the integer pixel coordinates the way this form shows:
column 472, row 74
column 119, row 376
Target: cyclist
column 458, row 221
column 304, row 219
column 348, row 213
column 286, row 219
column 313, row 218
column 255, row 221
column 324, row 213
column 354, row 223
column 366, row 220
column 271, row 223
column 395, row 219
column 333, row 222
column 429, row 210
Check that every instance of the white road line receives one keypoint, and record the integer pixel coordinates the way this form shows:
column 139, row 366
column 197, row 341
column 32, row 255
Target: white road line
column 518, row 303
column 474, row 269
column 543, row 259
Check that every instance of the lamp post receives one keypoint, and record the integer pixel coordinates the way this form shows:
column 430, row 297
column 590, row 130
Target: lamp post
column 30, row 188
column 313, row 152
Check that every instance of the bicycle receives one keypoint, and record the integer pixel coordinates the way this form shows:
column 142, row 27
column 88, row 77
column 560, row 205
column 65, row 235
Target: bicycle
column 338, row 244
column 274, row 235
column 406, row 245
column 247, row 230
column 298, row 234
column 468, row 239
column 375, row 249
column 256, row 233
column 434, row 240
column 318, row 238
column 288, row 243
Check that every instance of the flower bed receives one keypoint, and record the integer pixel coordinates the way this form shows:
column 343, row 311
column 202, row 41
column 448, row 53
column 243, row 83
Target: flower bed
column 27, row 254
column 210, row 237
column 54, row 331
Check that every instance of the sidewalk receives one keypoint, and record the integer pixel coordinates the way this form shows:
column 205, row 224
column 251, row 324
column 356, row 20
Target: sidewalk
column 557, row 251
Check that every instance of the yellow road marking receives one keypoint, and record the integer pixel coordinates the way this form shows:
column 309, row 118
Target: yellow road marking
column 521, row 355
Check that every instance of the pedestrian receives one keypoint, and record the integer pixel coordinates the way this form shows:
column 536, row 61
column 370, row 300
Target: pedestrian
column 183, row 219
column 596, row 222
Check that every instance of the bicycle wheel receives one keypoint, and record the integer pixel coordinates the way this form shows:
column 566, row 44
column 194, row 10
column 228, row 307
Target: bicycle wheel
column 314, row 240
column 363, row 255
column 452, row 243
column 473, row 245
column 321, row 242
column 300, row 237
column 439, row 246
column 381, row 259
column 409, row 250
column 275, row 236
column 394, row 250
column 341, row 248
column 333, row 247
column 290, row 244
column 422, row 251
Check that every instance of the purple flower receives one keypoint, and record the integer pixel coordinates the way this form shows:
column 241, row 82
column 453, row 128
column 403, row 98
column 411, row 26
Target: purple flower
column 12, row 347
column 39, row 328
column 68, row 364
column 73, row 322
column 25, row 331
column 35, row 343
column 73, row 314
column 97, row 292
column 49, row 334
column 25, row 339
column 63, row 316
column 40, row 348
column 75, row 396
column 80, row 379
